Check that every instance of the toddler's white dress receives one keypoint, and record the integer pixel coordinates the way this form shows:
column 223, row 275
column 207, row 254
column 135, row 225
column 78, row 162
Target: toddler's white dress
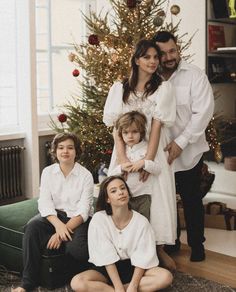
column 161, row 105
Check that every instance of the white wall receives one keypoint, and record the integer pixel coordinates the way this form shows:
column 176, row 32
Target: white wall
column 193, row 18
column 27, row 95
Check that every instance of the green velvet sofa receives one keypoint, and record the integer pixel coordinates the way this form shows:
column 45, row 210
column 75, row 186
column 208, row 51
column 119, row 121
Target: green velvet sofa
column 55, row 267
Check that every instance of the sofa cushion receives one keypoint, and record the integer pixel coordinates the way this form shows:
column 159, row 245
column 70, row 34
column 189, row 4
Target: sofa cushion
column 13, row 219
column 56, row 268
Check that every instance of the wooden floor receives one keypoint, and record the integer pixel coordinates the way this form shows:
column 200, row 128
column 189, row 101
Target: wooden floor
column 217, row 267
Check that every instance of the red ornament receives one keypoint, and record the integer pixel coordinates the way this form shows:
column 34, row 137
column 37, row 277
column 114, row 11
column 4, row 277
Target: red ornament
column 109, row 151
column 76, row 73
column 93, row 40
column 62, row 118
column 131, row 3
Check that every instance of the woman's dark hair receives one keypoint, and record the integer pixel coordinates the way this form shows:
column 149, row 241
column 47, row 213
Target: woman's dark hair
column 62, row 137
column 129, row 85
column 102, row 203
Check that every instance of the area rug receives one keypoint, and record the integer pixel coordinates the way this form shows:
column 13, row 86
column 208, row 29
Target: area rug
column 182, row 283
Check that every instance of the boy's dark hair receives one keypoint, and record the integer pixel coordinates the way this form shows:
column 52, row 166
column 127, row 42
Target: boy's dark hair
column 164, row 36
column 127, row 119
column 62, row 137
column 102, row 203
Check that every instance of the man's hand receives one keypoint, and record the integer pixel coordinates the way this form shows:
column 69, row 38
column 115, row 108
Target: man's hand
column 174, row 151
column 143, row 175
column 54, row 242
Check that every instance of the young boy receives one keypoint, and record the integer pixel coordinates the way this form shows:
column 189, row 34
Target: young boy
column 65, row 207
column 131, row 127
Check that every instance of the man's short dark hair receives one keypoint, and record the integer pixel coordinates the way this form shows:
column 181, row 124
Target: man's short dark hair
column 164, row 36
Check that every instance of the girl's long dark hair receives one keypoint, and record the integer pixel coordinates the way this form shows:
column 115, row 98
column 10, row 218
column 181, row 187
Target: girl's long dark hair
column 129, row 85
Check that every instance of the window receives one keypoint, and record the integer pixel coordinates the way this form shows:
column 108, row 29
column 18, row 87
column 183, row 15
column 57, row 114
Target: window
column 58, row 25
column 8, row 68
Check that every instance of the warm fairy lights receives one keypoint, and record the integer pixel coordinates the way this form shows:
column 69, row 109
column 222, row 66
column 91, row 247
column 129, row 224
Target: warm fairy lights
column 105, row 58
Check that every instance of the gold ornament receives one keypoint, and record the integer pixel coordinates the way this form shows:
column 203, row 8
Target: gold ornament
column 109, row 40
column 175, row 9
column 218, row 154
column 114, row 57
column 71, row 57
column 161, row 13
column 90, row 51
column 129, row 40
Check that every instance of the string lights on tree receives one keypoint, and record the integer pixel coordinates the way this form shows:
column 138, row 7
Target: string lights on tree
column 104, row 58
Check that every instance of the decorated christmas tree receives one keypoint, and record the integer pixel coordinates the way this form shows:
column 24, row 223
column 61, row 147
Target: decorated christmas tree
column 103, row 59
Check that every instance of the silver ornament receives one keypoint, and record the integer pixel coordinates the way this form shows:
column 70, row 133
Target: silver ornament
column 158, row 21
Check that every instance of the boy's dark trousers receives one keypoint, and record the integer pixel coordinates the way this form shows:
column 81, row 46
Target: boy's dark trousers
column 37, row 233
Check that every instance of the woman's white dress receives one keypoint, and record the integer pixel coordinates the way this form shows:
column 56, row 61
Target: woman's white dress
column 160, row 105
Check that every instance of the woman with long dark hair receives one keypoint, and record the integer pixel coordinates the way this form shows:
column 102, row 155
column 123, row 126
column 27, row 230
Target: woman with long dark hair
column 145, row 91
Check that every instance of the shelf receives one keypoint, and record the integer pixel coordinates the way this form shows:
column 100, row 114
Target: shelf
column 226, row 50
column 220, row 44
column 231, row 21
column 222, row 54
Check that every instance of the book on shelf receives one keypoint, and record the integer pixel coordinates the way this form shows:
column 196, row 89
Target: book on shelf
column 216, row 37
column 220, row 8
column 226, row 49
column 217, row 69
column 221, row 69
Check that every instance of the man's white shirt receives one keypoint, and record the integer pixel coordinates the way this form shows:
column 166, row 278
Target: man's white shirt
column 195, row 106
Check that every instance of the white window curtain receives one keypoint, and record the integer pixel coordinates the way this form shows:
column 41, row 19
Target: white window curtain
column 58, row 25
column 8, row 65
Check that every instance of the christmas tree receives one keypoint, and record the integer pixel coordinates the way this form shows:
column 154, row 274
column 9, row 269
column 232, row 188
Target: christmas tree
column 104, row 58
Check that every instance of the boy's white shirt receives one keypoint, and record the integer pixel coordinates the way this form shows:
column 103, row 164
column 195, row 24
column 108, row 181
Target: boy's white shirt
column 135, row 153
column 73, row 194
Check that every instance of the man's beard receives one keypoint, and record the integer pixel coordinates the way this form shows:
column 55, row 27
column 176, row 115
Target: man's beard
column 172, row 68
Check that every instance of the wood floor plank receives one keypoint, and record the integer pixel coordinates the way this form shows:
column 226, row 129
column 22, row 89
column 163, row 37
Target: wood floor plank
column 217, row 267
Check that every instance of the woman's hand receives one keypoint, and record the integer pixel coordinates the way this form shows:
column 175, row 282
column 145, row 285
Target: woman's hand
column 54, row 242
